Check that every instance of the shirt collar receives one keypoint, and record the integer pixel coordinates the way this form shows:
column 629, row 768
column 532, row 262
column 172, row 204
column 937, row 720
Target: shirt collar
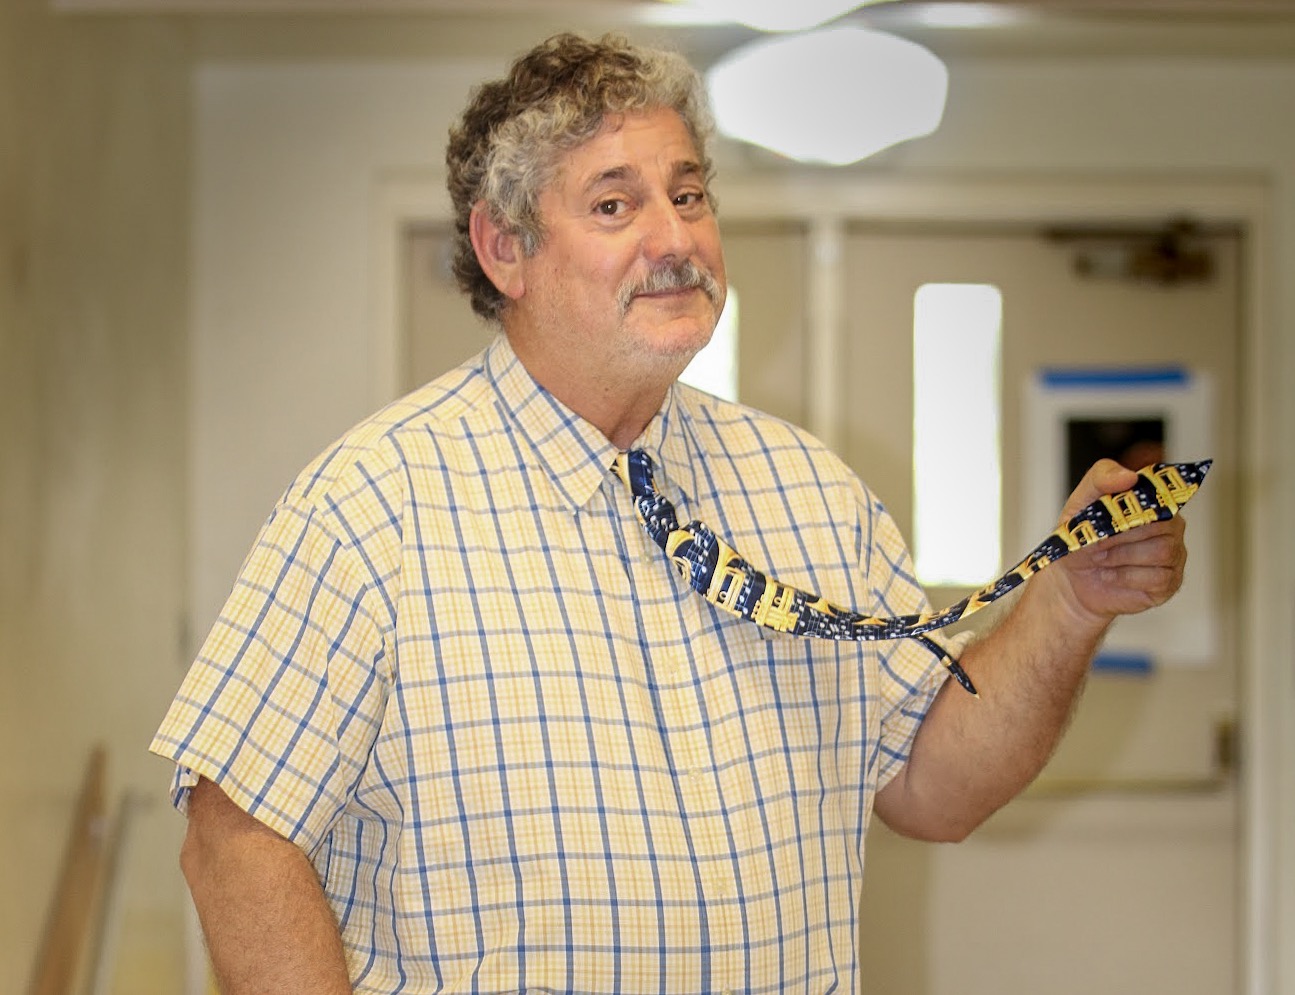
column 575, row 454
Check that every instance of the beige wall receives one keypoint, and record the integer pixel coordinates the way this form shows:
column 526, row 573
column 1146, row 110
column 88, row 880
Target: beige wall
column 94, row 161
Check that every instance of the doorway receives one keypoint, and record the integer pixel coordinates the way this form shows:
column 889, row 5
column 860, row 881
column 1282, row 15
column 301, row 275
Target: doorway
column 1119, row 871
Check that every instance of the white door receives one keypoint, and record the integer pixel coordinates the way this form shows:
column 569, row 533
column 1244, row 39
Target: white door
column 438, row 327
column 1126, row 880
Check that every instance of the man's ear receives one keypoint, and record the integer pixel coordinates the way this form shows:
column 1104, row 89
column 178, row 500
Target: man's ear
column 498, row 251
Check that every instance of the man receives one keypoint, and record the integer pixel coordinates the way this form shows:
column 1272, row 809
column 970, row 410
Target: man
column 462, row 726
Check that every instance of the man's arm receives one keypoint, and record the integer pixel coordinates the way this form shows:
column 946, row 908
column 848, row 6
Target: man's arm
column 971, row 756
column 268, row 926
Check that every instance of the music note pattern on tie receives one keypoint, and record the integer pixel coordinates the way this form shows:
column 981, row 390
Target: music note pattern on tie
column 716, row 571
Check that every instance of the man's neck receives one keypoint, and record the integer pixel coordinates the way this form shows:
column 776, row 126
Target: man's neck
column 620, row 410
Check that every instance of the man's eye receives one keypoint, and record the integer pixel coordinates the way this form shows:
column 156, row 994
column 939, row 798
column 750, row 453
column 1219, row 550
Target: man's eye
column 610, row 208
column 691, row 199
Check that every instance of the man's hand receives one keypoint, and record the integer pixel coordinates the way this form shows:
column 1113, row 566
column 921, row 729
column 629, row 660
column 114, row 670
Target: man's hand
column 1127, row 573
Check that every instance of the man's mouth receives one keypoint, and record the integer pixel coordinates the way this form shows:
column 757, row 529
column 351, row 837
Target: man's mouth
column 672, row 292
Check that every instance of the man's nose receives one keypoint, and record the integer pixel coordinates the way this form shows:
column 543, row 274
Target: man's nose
column 668, row 235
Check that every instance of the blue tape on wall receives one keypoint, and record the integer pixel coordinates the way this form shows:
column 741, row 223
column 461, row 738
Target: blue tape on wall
column 1133, row 664
column 1116, row 377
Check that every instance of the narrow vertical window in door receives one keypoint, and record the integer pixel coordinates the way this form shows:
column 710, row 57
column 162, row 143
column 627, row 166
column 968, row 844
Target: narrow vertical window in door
column 957, row 474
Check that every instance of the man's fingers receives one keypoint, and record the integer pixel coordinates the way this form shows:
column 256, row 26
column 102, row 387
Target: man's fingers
column 1148, row 586
column 1146, row 545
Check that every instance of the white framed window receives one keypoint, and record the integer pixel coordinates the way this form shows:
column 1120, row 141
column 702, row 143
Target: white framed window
column 957, row 437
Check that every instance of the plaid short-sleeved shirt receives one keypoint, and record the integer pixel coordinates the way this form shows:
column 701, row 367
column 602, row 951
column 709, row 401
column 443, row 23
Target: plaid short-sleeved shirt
column 521, row 753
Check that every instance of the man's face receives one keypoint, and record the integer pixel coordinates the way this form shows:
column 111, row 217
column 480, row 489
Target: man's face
column 629, row 282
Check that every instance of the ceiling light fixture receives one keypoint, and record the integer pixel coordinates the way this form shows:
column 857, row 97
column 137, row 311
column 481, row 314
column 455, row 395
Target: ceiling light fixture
column 950, row 14
column 777, row 15
column 833, row 96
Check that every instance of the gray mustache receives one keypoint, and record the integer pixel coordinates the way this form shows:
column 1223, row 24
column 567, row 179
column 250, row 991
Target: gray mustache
column 686, row 275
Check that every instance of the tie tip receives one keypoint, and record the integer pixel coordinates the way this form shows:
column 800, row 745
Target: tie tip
column 961, row 677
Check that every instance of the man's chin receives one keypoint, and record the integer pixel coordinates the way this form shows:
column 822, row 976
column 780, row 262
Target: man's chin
column 665, row 348
column 685, row 335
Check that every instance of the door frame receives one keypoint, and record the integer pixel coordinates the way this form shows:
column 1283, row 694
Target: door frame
column 826, row 203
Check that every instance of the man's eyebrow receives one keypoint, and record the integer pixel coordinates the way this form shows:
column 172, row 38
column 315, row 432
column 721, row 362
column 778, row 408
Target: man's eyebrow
column 613, row 174
column 687, row 167
column 616, row 174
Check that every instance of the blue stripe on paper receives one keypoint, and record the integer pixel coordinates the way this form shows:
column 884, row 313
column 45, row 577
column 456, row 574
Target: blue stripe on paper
column 1136, row 664
column 1132, row 376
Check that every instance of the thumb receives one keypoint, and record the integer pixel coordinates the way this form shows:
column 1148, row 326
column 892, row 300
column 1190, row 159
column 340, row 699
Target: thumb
column 1103, row 477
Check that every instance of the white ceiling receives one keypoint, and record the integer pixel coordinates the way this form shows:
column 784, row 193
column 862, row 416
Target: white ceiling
column 599, row 8
column 1230, row 28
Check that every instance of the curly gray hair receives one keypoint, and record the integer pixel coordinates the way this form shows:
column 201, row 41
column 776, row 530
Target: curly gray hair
column 506, row 147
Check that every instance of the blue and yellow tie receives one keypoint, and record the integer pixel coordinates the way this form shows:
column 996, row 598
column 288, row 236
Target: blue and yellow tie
column 718, row 573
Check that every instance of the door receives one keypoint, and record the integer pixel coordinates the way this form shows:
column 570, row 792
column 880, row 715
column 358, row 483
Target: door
column 1118, row 873
column 439, row 329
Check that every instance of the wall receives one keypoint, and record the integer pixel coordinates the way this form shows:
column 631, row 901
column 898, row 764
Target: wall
column 291, row 151
column 94, row 159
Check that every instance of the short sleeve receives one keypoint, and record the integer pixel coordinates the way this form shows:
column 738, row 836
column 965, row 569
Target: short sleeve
column 282, row 705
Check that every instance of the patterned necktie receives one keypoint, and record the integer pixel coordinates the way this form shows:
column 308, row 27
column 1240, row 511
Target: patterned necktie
column 715, row 570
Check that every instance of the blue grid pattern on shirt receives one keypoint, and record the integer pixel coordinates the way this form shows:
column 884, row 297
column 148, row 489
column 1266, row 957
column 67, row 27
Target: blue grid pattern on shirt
column 521, row 753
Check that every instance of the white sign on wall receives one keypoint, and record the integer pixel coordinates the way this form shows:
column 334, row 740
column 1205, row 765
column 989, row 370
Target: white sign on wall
column 1136, row 416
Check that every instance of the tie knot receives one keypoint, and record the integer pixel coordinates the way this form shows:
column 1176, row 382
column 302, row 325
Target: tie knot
column 635, row 469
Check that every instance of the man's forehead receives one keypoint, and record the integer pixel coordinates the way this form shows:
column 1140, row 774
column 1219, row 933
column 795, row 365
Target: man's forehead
column 616, row 171
column 613, row 154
